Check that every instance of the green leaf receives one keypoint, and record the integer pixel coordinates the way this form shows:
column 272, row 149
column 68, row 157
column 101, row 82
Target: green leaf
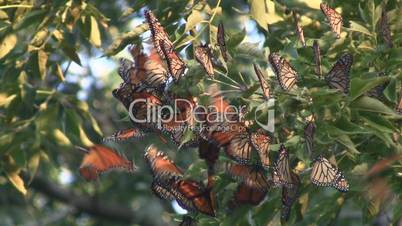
column 378, row 122
column 95, row 36
column 192, row 20
column 235, row 39
column 389, row 91
column 127, row 38
column 72, row 54
column 347, row 142
column 360, row 86
column 7, row 44
column 369, row 104
column 354, row 26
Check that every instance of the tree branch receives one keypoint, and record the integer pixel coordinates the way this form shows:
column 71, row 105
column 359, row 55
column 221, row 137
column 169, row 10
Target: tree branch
column 92, row 206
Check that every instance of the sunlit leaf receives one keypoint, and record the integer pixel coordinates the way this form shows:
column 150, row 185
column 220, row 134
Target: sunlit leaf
column 17, row 181
column 193, row 19
column 263, row 11
column 7, row 44
column 95, row 36
column 42, row 61
column 59, row 72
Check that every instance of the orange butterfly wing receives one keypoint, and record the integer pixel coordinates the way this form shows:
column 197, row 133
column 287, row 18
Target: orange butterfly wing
column 248, row 195
column 334, row 18
column 163, row 169
column 199, row 196
column 252, row 176
column 125, row 135
column 100, row 159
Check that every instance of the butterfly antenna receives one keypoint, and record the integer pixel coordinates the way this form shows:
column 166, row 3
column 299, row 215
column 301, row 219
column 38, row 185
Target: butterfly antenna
column 86, row 151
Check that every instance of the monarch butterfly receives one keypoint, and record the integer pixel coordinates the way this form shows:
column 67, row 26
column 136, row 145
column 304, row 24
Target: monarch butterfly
column 143, row 108
column 240, row 148
column 377, row 91
column 123, row 94
column 399, row 107
column 325, row 174
column 334, row 18
column 158, row 33
column 248, row 195
column 99, row 159
column 185, row 108
column 263, row 83
column 167, row 190
column 163, row 169
column 289, row 196
column 209, row 152
column 125, row 68
column 384, row 29
column 221, row 41
column 162, row 191
column 221, row 122
column 175, row 129
column 281, row 174
column 309, row 136
column 125, row 135
column 261, row 143
column 187, row 221
column 202, row 54
column 175, row 64
column 317, row 58
column 252, row 176
column 197, row 194
column 338, row 76
column 299, row 29
column 147, row 71
column 287, row 76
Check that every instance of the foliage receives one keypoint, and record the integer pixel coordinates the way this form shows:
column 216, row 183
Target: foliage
column 42, row 119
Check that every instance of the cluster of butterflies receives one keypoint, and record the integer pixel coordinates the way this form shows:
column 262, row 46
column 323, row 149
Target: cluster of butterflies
column 148, row 78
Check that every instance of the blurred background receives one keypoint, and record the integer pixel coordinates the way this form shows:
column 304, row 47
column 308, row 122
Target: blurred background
column 58, row 66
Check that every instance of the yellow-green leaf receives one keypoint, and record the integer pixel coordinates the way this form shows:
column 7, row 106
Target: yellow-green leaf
column 33, row 166
column 7, row 44
column 42, row 61
column 6, row 100
column 61, row 138
column 16, row 180
column 95, row 37
column 121, row 42
column 59, row 72
column 84, row 138
column 354, row 26
column 192, row 20
column 263, row 11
